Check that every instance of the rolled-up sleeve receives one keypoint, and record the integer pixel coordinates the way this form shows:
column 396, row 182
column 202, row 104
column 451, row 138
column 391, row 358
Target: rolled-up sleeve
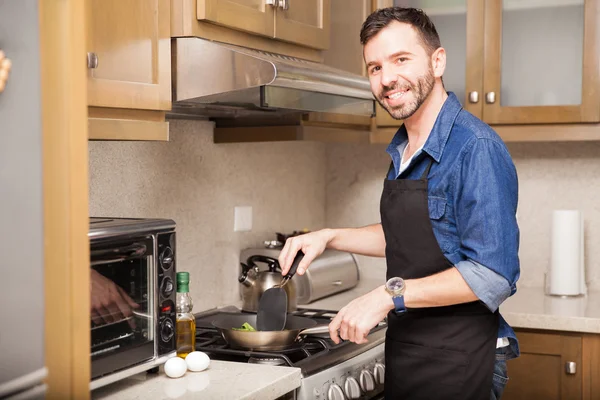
column 486, row 196
column 489, row 287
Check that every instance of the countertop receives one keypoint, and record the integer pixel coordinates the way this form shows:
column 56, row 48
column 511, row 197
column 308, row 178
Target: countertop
column 221, row 381
column 527, row 308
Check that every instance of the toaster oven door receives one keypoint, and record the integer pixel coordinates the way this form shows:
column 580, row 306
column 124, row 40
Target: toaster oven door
column 122, row 304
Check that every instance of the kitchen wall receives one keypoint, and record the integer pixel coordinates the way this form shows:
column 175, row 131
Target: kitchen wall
column 551, row 176
column 198, row 183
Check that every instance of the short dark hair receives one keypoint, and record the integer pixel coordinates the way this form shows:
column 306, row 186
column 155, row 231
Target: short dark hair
column 412, row 16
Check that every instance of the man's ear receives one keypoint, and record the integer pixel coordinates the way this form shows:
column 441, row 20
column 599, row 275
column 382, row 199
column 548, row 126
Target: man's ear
column 438, row 62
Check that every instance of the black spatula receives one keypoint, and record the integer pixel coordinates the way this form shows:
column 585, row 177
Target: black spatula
column 272, row 307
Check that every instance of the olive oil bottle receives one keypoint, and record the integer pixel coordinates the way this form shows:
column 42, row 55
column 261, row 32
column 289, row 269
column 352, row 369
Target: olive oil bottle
column 186, row 323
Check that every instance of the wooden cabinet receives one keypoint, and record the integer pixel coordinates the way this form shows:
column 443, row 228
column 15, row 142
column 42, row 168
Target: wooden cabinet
column 518, row 62
column 303, row 22
column 554, row 365
column 129, row 54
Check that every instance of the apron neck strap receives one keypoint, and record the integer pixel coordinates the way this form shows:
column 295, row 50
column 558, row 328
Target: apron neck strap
column 426, row 172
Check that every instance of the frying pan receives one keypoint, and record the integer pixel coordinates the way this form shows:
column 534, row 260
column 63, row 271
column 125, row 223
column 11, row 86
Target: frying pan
column 295, row 327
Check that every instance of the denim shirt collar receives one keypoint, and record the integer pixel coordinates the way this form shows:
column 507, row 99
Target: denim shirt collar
column 436, row 142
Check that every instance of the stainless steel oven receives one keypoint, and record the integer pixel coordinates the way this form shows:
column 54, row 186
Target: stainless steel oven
column 132, row 279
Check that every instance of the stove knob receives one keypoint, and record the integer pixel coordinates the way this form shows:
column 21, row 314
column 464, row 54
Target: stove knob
column 352, row 388
column 367, row 382
column 335, row 393
column 379, row 373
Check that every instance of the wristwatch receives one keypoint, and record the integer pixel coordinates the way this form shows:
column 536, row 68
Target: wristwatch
column 395, row 287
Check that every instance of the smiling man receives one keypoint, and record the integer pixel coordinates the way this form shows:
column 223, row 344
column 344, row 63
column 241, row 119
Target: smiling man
column 448, row 228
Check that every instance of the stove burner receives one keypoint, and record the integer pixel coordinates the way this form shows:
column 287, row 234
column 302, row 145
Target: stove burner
column 266, row 361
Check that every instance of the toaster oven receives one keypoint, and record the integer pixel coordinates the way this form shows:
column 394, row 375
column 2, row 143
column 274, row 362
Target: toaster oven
column 132, row 309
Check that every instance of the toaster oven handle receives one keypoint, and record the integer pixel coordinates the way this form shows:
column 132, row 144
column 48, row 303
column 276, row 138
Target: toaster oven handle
column 117, row 254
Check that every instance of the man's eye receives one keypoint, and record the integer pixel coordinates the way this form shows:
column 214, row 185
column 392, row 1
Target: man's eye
column 401, row 60
column 375, row 69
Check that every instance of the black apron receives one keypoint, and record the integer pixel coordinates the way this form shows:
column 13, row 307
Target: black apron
column 444, row 353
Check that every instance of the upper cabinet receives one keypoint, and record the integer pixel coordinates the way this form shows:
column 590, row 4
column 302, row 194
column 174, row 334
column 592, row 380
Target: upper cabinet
column 303, row 22
column 519, row 61
column 129, row 54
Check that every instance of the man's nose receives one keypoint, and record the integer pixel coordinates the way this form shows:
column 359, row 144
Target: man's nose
column 388, row 77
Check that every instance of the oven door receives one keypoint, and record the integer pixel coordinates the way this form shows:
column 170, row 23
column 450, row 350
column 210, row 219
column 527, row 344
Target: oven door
column 122, row 304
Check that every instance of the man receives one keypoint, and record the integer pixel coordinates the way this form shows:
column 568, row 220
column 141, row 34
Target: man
column 448, row 228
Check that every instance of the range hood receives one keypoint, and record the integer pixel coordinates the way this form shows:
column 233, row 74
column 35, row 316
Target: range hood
column 219, row 80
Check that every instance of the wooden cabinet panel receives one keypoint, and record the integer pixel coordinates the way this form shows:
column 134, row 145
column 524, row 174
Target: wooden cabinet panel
column 131, row 42
column 527, row 87
column 304, row 22
column 254, row 16
column 540, row 373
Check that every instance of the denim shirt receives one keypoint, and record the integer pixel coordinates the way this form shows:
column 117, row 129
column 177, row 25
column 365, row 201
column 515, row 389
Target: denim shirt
column 473, row 193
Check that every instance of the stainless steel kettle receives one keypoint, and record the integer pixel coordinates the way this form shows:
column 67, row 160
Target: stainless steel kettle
column 255, row 281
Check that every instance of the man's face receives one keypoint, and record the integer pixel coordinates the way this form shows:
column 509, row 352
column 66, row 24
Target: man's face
column 399, row 69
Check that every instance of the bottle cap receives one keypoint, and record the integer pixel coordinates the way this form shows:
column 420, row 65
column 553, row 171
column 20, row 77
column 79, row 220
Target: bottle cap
column 183, row 281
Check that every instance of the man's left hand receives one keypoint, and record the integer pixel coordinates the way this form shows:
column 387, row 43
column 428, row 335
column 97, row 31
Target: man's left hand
column 355, row 321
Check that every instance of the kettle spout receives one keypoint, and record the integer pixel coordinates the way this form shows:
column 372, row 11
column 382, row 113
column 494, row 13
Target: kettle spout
column 245, row 279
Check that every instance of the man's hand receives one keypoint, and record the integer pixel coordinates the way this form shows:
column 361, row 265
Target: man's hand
column 109, row 303
column 312, row 244
column 355, row 321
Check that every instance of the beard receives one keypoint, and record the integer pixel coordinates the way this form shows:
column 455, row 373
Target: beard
column 420, row 92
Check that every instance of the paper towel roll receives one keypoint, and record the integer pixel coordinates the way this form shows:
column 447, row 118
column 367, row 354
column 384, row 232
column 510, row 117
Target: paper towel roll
column 567, row 276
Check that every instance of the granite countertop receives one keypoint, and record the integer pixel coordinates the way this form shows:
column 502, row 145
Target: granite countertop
column 222, row 380
column 528, row 308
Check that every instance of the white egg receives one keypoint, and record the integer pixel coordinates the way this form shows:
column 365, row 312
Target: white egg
column 175, row 367
column 197, row 361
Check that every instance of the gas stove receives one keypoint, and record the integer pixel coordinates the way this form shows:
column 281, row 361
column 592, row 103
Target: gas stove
column 329, row 371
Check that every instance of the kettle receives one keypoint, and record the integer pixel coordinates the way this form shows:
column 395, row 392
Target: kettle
column 254, row 283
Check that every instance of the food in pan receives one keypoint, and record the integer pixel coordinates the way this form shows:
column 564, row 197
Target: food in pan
column 246, row 327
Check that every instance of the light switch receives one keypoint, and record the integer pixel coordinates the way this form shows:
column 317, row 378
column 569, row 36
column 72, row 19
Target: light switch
column 242, row 219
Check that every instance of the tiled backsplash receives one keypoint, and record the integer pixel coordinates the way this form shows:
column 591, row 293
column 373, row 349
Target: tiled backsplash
column 198, row 183
column 551, row 176
column 297, row 185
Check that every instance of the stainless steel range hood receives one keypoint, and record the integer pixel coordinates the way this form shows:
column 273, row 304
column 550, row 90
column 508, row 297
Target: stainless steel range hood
column 224, row 81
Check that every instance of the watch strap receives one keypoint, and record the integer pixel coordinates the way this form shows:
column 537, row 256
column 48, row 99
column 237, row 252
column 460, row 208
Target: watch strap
column 399, row 304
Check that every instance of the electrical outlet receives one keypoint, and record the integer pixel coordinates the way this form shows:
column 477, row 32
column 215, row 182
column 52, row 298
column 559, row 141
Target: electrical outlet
column 242, row 219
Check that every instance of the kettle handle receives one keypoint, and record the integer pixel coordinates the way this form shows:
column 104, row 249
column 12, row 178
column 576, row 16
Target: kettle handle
column 273, row 262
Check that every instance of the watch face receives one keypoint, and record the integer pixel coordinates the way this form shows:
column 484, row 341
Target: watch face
column 395, row 284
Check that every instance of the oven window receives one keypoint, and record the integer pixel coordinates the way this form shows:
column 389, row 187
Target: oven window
column 121, row 297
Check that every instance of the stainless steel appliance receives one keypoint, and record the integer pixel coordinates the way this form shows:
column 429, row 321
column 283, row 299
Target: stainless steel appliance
column 133, row 265
column 257, row 83
column 330, row 273
column 329, row 371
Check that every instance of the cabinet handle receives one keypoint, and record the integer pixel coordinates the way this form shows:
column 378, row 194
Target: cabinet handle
column 274, row 3
column 571, row 368
column 92, row 60
column 284, row 4
column 5, row 66
column 490, row 97
column 473, row 97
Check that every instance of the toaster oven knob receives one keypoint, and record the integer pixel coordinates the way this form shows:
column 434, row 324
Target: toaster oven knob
column 335, row 393
column 167, row 287
column 166, row 258
column 352, row 388
column 379, row 373
column 167, row 331
column 367, row 382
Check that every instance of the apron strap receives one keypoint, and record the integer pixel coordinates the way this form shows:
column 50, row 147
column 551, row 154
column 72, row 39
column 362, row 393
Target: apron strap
column 426, row 172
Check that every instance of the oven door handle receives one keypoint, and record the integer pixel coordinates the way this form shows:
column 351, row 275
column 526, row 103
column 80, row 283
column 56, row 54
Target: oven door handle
column 117, row 254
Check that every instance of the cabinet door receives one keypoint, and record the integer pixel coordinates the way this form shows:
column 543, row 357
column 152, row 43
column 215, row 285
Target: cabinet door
column 459, row 24
column 540, row 372
column 131, row 42
column 254, row 16
column 541, row 61
column 303, row 22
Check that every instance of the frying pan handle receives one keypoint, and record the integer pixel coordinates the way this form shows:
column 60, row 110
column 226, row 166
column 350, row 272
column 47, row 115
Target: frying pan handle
column 315, row 330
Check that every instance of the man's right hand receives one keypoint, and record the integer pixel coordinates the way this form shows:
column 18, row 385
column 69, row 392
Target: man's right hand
column 109, row 303
column 312, row 244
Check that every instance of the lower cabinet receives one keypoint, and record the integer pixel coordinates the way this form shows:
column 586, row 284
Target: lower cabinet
column 555, row 365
